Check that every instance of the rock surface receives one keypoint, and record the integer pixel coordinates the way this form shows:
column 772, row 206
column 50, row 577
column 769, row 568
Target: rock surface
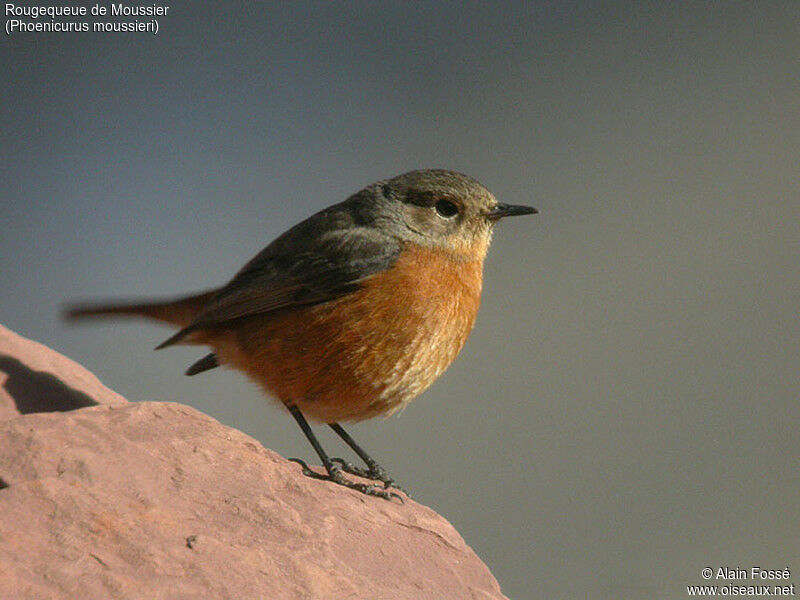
column 157, row 500
column 34, row 378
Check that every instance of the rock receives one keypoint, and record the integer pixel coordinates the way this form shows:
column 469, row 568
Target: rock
column 157, row 500
column 34, row 378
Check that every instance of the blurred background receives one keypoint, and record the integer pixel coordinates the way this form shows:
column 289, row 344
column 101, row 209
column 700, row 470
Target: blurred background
column 625, row 412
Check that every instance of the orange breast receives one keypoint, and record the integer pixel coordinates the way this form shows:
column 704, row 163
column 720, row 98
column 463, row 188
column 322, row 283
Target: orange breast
column 367, row 353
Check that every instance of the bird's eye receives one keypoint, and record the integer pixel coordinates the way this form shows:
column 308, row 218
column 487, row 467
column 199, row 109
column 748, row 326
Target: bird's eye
column 446, row 209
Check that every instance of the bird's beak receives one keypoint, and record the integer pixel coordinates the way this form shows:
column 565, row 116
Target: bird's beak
column 510, row 210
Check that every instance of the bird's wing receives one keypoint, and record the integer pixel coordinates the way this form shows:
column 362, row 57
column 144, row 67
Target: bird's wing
column 310, row 264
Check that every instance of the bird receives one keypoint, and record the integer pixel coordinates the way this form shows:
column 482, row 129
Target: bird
column 350, row 314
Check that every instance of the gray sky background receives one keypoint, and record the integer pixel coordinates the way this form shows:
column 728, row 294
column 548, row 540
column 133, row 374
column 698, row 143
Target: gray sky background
column 625, row 412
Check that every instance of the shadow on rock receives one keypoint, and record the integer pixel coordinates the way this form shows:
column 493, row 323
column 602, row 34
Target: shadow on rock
column 38, row 391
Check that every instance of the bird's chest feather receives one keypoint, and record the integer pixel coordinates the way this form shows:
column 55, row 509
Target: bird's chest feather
column 415, row 319
column 374, row 350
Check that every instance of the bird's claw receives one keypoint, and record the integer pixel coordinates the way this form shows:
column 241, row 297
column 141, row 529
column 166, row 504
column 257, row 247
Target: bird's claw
column 336, row 475
column 374, row 472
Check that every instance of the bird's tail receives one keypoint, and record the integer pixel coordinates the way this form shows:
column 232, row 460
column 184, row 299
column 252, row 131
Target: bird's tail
column 180, row 311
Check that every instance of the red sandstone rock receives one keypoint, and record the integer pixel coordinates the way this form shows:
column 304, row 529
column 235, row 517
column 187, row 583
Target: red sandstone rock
column 34, row 378
column 157, row 500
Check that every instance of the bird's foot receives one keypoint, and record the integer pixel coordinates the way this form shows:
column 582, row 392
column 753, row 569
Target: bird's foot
column 336, row 475
column 374, row 471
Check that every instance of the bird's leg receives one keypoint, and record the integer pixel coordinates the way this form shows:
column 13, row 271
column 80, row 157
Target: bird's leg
column 333, row 469
column 373, row 471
